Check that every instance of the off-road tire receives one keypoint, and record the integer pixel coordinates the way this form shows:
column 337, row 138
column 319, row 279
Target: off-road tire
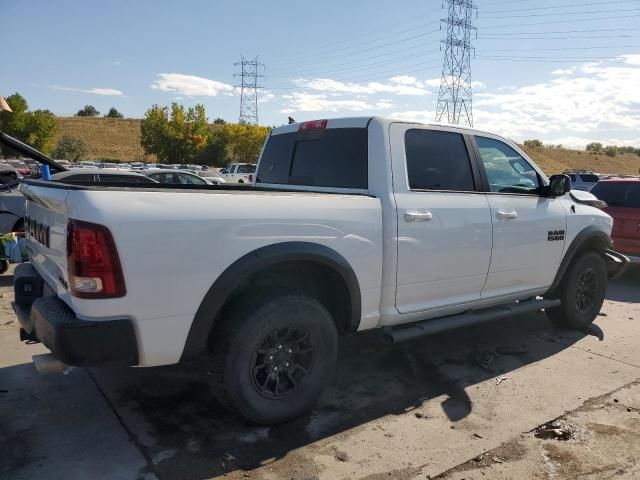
column 581, row 291
column 244, row 339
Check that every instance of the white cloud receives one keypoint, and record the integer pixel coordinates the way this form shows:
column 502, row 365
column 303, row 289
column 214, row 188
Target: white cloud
column 592, row 100
column 190, row 85
column 370, row 88
column 631, row 59
column 383, row 105
column 405, row 80
column 110, row 92
column 562, row 71
column 265, row 97
column 424, row 116
column 306, row 102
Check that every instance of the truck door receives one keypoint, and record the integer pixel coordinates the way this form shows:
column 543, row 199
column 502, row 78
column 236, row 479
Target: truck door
column 528, row 230
column 444, row 223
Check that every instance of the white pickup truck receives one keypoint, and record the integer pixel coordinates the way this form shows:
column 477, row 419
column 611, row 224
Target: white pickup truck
column 351, row 224
column 238, row 173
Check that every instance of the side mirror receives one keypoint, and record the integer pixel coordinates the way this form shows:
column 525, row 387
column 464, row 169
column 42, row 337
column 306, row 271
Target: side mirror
column 558, row 185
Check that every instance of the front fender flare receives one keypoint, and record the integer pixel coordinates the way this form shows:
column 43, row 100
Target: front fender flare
column 591, row 236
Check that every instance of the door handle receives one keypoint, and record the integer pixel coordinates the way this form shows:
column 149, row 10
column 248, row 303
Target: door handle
column 507, row 215
column 417, row 216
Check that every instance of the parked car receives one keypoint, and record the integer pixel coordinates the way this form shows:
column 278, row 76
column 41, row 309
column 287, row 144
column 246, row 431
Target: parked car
column 239, row 173
column 12, row 202
column 622, row 195
column 100, row 175
column 212, row 175
column 20, row 167
column 176, row 177
column 583, row 180
column 353, row 224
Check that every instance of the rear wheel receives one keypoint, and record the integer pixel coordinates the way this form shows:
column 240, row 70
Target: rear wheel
column 582, row 292
column 272, row 360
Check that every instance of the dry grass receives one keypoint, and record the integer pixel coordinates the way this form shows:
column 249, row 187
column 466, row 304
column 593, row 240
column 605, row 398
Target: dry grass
column 106, row 137
column 553, row 160
column 120, row 139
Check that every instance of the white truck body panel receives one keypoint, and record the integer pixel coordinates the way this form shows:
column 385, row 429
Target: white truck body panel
column 169, row 270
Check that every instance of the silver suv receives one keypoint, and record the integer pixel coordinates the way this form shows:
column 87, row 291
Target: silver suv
column 582, row 180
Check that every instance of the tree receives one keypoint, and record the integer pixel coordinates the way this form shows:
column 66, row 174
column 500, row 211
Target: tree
column 176, row 135
column 88, row 111
column 70, row 148
column 113, row 113
column 594, row 147
column 533, row 143
column 235, row 142
column 37, row 128
column 611, row 151
column 219, row 121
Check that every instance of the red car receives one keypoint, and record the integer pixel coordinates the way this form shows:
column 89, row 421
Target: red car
column 622, row 195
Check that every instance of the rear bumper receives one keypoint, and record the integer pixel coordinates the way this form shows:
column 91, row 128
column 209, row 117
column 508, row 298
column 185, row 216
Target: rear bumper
column 72, row 340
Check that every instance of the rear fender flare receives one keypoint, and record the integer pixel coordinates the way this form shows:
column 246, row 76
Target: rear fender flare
column 243, row 268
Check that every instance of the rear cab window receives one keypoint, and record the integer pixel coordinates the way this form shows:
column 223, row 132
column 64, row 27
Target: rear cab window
column 618, row 194
column 326, row 157
column 589, row 177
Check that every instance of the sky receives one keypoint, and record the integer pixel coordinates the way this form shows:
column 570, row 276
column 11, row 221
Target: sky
column 563, row 72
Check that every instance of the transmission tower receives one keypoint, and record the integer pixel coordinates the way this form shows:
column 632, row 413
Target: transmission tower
column 249, row 89
column 454, row 98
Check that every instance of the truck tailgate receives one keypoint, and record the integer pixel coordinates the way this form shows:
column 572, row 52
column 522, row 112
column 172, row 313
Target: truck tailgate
column 46, row 233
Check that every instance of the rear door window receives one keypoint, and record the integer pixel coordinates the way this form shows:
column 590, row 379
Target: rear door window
column 437, row 160
column 333, row 157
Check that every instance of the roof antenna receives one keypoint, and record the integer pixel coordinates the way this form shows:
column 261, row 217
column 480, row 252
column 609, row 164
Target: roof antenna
column 291, row 120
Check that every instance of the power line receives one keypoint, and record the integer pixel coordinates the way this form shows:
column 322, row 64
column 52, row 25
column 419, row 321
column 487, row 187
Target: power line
column 590, row 30
column 515, row 37
column 249, row 89
column 563, row 49
column 559, row 14
column 342, row 54
column 553, row 7
column 382, row 75
column 529, row 24
column 549, row 59
column 354, row 67
column 454, row 97
column 328, row 46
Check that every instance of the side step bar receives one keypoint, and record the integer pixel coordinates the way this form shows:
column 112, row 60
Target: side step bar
column 428, row 327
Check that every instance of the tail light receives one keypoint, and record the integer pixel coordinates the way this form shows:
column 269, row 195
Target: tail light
column 251, row 178
column 312, row 125
column 93, row 262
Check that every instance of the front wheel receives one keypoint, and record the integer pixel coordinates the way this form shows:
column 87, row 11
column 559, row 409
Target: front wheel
column 582, row 292
column 271, row 360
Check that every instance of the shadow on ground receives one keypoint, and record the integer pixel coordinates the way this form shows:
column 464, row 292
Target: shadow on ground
column 187, row 435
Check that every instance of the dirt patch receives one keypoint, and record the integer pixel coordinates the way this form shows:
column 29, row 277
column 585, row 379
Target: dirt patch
column 600, row 440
